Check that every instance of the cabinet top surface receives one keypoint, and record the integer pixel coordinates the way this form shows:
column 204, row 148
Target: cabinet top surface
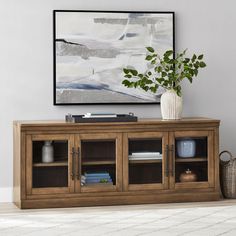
column 141, row 121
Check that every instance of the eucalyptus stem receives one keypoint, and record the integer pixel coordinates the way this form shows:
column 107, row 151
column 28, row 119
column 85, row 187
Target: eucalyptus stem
column 166, row 72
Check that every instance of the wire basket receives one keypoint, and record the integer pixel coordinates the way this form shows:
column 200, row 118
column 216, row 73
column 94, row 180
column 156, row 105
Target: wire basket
column 228, row 176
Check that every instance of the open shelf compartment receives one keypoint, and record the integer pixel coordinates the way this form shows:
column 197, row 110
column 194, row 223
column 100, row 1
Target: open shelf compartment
column 145, row 160
column 98, row 163
column 51, row 174
column 197, row 164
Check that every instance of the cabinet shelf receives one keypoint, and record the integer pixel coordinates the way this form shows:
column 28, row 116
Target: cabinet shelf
column 194, row 159
column 56, row 163
column 90, row 163
column 145, row 161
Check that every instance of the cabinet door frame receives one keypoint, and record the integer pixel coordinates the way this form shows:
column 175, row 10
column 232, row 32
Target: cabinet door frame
column 99, row 136
column 145, row 135
column 30, row 138
column 210, row 159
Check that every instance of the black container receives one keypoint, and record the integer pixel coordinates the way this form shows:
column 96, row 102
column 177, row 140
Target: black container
column 119, row 118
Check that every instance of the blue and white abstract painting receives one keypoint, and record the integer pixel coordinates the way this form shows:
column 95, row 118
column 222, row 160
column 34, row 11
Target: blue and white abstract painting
column 92, row 48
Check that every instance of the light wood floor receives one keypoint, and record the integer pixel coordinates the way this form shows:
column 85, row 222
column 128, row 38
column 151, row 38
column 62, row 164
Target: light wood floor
column 190, row 219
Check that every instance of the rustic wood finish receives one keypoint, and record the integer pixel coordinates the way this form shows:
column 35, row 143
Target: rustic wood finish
column 63, row 163
column 25, row 196
column 211, row 160
column 145, row 135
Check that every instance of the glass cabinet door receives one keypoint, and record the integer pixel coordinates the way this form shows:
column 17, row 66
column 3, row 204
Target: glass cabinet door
column 100, row 162
column 49, row 164
column 191, row 157
column 145, row 163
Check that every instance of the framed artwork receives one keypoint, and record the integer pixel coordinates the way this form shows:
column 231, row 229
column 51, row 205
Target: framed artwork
column 91, row 48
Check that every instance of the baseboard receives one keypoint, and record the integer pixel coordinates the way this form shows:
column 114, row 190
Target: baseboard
column 6, row 194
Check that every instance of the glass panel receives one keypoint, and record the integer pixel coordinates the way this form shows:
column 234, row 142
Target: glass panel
column 50, row 164
column 98, row 163
column 191, row 160
column 145, row 161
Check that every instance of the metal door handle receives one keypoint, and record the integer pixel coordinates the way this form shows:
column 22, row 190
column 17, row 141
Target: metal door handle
column 73, row 164
column 167, row 160
column 79, row 164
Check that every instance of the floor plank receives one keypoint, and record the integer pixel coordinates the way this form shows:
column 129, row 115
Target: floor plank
column 199, row 218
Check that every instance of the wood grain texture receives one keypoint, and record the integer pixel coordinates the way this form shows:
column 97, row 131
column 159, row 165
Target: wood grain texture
column 123, row 193
column 217, row 160
column 163, row 136
column 119, row 162
column 142, row 124
column 171, row 142
column 194, row 159
column 25, row 196
column 192, row 185
column 29, row 163
column 77, row 144
column 71, row 182
column 48, row 191
column 211, row 159
column 57, row 163
column 125, row 162
column 120, row 200
column 23, row 165
column 146, row 161
column 17, row 165
column 192, row 120
column 90, row 163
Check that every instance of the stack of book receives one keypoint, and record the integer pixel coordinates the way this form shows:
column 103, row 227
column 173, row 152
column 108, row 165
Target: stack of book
column 96, row 178
column 99, row 115
column 145, row 156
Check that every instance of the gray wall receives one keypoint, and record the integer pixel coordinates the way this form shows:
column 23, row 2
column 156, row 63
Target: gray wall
column 26, row 65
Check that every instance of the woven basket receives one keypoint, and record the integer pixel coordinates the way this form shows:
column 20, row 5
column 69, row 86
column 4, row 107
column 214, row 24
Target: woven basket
column 228, row 176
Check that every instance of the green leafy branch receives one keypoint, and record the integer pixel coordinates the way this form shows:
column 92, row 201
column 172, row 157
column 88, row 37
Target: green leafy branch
column 166, row 71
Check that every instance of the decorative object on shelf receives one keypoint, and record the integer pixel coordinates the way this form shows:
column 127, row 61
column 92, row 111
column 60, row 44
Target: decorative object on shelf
column 47, row 152
column 69, row 118
column 91, row 48
column 186, row 148
column 168, row 73
column 228, row 175
column 96, row 178
column 100, row 118
column 171, row 105
column 188, row 176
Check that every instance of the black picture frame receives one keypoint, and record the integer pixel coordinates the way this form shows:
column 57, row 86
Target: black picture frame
column 55, row 102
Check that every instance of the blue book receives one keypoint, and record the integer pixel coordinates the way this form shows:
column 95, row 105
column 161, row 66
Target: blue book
column 97, row 174
column 97, row 177
column 98, row 181
column 97, row 184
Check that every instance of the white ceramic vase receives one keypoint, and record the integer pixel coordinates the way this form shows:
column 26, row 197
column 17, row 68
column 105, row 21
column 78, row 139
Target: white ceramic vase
column 171, row 105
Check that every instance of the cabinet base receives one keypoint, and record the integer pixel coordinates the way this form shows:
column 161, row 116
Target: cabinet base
column 118, row 200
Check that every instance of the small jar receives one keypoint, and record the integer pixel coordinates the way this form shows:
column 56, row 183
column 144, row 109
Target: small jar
column 188, row 176
column 186, row 148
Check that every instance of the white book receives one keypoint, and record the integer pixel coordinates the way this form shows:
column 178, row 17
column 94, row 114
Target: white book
column 145, row 158
column 145, row 153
